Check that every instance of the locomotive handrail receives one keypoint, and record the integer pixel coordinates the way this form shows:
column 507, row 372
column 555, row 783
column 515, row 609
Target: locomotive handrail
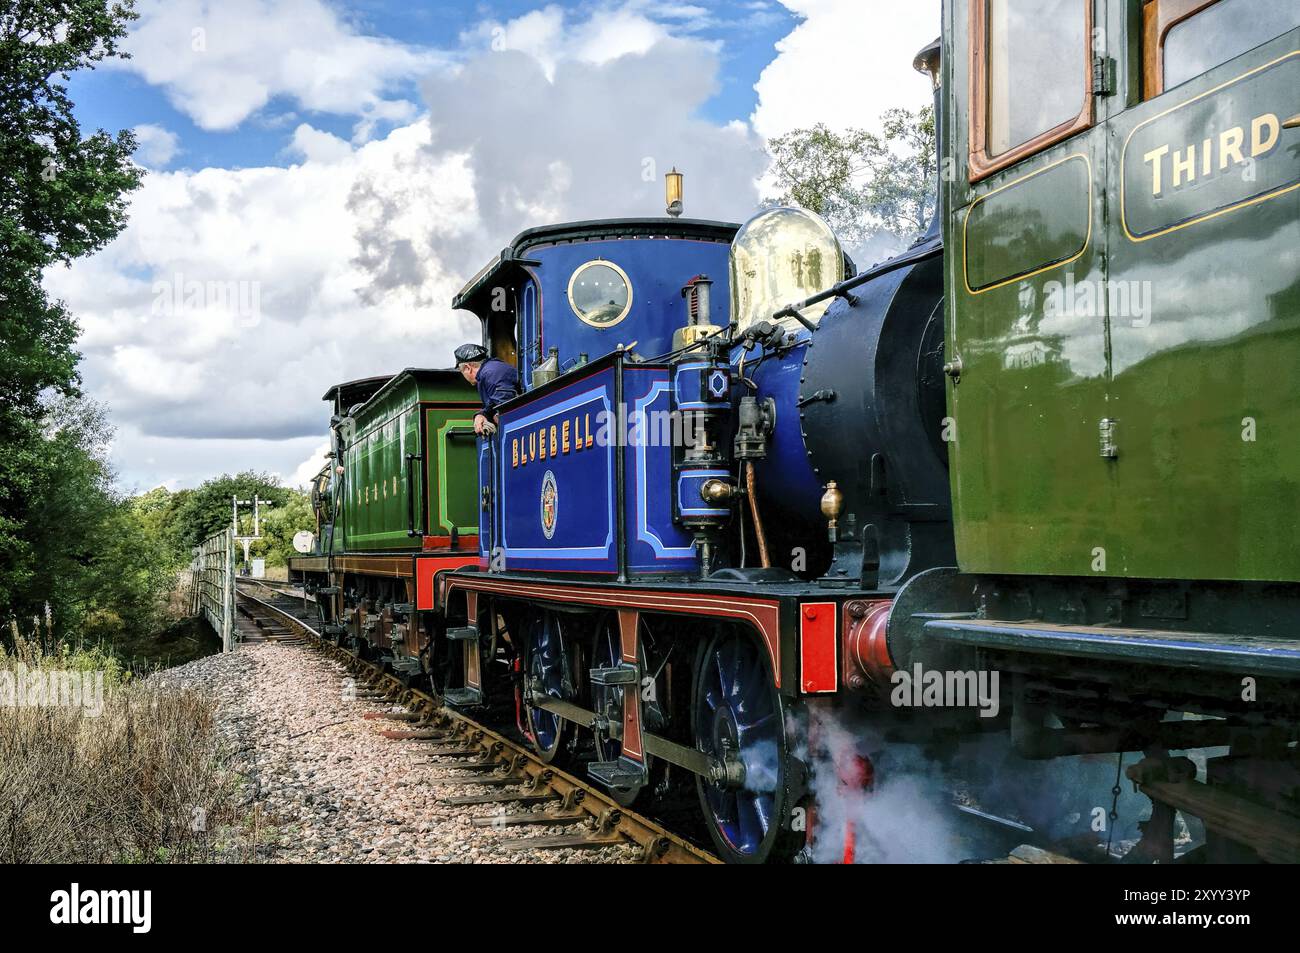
column 455, row 433
column 410, row 493
column 842, row 290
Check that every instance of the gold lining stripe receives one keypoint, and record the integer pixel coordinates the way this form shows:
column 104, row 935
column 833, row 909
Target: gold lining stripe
column 965, row 252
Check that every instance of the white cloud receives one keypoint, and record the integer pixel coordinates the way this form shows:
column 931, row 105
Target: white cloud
column 156, row 146
column 315, row 145
column 591, row 139
column 176, row 357
column 611, row 104
column 845, row 64
column 222, row 62
column 549, row 37
column 177, row 462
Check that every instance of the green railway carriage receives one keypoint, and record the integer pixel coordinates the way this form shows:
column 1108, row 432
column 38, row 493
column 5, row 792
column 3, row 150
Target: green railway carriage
column 1124, row 280
column 1120, row 195
column 410, row 465
column 396, row 506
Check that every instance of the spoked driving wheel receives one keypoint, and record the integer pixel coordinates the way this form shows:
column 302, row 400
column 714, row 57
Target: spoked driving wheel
column 549, row 672
column 740, row 722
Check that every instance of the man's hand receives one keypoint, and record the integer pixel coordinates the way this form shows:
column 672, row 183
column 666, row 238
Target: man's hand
column 484, row 427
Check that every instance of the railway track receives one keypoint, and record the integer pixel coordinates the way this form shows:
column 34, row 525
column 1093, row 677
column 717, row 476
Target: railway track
column 473, row 755
column 275, row 585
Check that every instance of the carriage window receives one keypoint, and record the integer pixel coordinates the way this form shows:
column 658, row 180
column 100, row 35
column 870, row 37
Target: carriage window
column 1032, row 69
column 1036, row 77
column 1208, row 35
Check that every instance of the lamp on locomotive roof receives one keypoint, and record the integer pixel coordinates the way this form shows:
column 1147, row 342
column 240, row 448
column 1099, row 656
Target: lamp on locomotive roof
column 674, row 192
column 930, row 60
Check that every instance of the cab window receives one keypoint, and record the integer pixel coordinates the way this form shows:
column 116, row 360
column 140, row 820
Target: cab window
column 1031, row 69
column 600, row 293
column 1186, row 38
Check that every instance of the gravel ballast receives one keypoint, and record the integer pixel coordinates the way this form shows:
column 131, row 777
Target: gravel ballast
column 320, row 784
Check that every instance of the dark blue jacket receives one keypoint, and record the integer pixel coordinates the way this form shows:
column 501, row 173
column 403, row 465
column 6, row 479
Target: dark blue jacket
column 497, row 383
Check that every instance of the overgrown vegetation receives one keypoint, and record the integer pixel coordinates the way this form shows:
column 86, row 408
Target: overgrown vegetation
column 134, row 775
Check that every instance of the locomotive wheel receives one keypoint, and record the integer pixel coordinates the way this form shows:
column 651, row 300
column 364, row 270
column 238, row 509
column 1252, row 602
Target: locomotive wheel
column 606, row 652
column 739, row 720
column 549, row 670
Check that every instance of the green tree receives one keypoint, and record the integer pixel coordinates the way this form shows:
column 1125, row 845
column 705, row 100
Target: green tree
column 280, row 525
column 62, row 196
column 159, row 514
column 207, row 510
column 70, row 489
column 864, row 184
column 99, row 566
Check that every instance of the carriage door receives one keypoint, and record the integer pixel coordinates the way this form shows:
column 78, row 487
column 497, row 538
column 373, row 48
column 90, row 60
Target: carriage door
column 1205, row 242
column 1027, row 232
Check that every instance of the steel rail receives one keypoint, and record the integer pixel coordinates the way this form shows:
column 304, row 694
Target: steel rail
column 574, row 800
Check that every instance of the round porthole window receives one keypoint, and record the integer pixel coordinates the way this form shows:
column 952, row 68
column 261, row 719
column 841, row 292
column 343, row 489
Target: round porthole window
column 600, row 294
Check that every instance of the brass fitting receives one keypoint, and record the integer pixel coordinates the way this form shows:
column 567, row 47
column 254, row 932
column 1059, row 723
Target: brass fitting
column 717, row 492
column 832, row 504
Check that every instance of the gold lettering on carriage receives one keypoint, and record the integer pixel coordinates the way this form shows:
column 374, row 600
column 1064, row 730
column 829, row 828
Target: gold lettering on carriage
column 552, row 440
column 1174, row 168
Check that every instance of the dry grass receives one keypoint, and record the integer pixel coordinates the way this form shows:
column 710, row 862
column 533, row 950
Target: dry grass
column 141, row 781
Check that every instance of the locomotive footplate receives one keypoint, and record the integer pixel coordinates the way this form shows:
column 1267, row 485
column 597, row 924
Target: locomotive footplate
column 808, row 634
column 1240, row 654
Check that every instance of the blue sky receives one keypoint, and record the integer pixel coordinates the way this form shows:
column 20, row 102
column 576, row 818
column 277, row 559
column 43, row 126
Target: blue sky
column 746, row 32
column 324, row 175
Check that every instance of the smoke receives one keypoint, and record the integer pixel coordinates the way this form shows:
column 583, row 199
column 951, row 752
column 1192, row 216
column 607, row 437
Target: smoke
column 908, row 811
column 899, row 819
column 555, row 133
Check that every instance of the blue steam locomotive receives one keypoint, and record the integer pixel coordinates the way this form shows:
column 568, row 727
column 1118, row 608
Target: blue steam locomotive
column 663, row 554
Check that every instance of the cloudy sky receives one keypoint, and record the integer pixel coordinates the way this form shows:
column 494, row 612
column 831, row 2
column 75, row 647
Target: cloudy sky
column 326, row 174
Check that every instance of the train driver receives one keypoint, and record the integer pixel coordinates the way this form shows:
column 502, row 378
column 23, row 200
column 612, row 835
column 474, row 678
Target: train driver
column 496, row 381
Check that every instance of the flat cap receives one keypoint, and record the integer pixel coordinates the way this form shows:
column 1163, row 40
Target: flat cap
column 470, row 354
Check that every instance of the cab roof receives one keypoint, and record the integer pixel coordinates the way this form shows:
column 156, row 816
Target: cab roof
column 356, row 392
column 513, row 259
column 365, row 390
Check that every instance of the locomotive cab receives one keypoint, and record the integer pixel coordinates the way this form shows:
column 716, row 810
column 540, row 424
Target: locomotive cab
column 590, row 313
column 562, row 295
